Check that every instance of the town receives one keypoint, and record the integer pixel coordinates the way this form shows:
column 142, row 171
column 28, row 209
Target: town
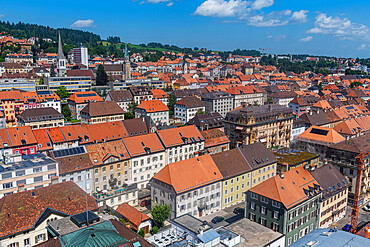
column 156, row 145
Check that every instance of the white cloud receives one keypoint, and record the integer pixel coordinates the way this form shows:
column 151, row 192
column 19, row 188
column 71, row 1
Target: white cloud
column 341, row 27
column 277, row 37
column 273, row 19
column 221, row 8
column 306, row 39
column 158, row 1
column 169, row 4
column 83, row 23
column 259, row 4
column 363, row 47
column 300, row 16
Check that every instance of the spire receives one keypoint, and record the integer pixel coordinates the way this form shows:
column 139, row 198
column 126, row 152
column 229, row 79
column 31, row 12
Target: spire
column 126, row 53
column 60, row 48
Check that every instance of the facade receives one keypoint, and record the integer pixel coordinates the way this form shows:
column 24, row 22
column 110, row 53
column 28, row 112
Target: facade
column 181, row 143
column 333, row 203
column 100, row 112
column 220, row 102
column 155, row 109
column 49, row 99
column 249, row 95
column 72, row 83
column 122, row 97
column 27, row 172
column 141, row 93
column 11, row 104
column 215, row 141
column 283, row 98
column 147, row 157
column 243, row 168
column 81, row 56
column 78, row 101
column 207, row 121
column 287, row 203
column 39, row 118
column 191, row 186
column 7, row 84
column 268, row 124
column 32, row 210
column 186, row 108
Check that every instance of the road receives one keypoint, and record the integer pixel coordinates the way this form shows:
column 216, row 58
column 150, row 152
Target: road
column 363, row 217
column 227, row 214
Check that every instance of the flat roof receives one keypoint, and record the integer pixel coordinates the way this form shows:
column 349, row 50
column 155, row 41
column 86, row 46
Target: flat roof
column 253, row 233
column 292, row 157
column 190, row 223
column 28, row 161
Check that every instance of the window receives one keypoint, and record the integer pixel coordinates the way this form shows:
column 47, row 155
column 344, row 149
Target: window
column 253, row 205
column 275, row 204
column 263, row 210
column 27, row 242
column 276, row 215
column 264, row 199
column 275, row 226
column 254, row 196
column 295, row 237
column 289, row 241
column 263, row 221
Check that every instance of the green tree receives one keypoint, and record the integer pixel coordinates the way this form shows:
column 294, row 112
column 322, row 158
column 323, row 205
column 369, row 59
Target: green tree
column 41, row 81
column 101, row 76
column 355, row 84
column 141, row 232
column 130, row 114
column 52, row 70
column 154, row 229
column 67, row 113
column 171, row 104
column 62, row 92
column 199, row 112
column 160, row 214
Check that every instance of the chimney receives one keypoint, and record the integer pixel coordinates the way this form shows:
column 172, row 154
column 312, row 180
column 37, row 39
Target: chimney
column 310, row 113
column 282, row 175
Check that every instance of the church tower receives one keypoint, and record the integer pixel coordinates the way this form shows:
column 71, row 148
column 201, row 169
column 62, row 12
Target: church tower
column 61, row 60
column 126, row 64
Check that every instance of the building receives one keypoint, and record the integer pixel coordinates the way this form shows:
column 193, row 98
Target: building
column 61, row 60
column 268, row 124
column 7, row 84
column 186, row 108
column 19, row 58
column 243, row 168
column 283, row 98
column 161, row 95
column 27, row 172
column 301, row 104
column 333, row 203
column 181, row 143
column 191, row 186
column 249, row 95
column 78, row 101
column 100, row 112
column 207, row 121
column 49, row 99
column 343, row 156
column 81, row 56
column 287, row 203
column 71, row 83
column 39, row 118
column 317, row 139
column 329, row 237
column 155, row 109
column 114, row 70
column 220, row 102
column 147, row 157
column 141, row 93
column 137, row 219
column 122, row 97
column 25, row 215
column 11, row 105
column 290, row 158
column 215, row 141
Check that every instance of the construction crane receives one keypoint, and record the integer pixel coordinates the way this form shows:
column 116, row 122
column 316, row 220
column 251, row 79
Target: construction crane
column 356, row 201
column 263, row 50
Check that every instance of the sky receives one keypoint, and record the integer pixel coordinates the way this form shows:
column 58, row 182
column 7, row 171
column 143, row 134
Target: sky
column 318, row 27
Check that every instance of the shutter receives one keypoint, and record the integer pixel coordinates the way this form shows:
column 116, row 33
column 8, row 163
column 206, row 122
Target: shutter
column 44, row 237
column 36, row 241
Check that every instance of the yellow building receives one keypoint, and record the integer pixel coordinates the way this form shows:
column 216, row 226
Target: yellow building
column 243, row 168
column 11, row 104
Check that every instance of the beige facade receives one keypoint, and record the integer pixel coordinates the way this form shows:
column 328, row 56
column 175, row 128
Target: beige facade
column 43, row 124
column 86, row 119
column 333, row 208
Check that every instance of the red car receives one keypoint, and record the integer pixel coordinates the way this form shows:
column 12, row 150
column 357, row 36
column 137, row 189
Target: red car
column 145, row 203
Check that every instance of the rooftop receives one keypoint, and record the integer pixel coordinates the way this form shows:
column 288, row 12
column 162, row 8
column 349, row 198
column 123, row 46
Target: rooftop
column 293, row 157
column 103, row 108
column 28, row 161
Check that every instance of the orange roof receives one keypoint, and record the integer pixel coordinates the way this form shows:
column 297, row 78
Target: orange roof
column 43, row 140
column 175, row 136
column 214, row 137
column 17, row 136
column 248, row 89
column 102, row 132
column 85, row 97
column 159, row 94
column 289, row 189
column 152, row 106
column 101, row 152
column 139, row 145
column 132, row 214
column 189, row 174
column 322, row 134
column 348, row 127
column 323, row 104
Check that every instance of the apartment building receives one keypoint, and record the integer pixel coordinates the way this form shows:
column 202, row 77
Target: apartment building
column 290, row 158
column 72, row 83
column 249, row 95
column 122, row 97
column 220, row 102
column 78, row 101
column 155, row 109
column 181, row 143
column 141, row 93
column 11, row 105
column 186, row 108
column 39, row 118
column 191, row 186
column 268, row 124
column 100, row 112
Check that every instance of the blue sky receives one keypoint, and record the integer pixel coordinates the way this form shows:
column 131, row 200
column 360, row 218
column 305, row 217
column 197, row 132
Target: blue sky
column 325, row 27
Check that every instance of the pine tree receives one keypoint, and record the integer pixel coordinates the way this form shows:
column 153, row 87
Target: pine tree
column 101, row 76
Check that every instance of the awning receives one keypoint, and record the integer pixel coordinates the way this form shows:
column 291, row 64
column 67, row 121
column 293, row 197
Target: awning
column 238, row 128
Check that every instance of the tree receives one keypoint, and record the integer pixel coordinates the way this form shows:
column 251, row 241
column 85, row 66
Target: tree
column 52, row 70
column 160, row 214
column 67, row 113
column 101, row 76
column 131, row 110
column 168, row 88
column 355, row 84
column 62, row 92
column 199, row 112
column 154, row 229
column 171, row 104
column 141, row 232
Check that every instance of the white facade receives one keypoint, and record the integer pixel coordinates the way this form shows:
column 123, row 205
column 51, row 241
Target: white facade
column 81, row 178
column 283, row 101
column 249, row 99
column 144, row 167
column 185, row 114
column 184, row 152
column 159, row 118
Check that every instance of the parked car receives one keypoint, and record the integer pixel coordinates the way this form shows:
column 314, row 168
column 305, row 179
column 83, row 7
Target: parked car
column 366, row 207
column 145, row 203
column 347, row 228
column 238, row 211
column 217, row 219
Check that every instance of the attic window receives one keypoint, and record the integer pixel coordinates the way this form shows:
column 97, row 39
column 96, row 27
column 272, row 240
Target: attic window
column 339, row 185
column 267, row 159
column 282, row 188
column 69, row 134
column 95, row 160
column 297, row 172
column 142, row 143
column 304, row 178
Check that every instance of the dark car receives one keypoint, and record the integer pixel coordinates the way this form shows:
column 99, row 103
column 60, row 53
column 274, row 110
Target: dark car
column 347, row 228
column 238, row 211
column 217, row 219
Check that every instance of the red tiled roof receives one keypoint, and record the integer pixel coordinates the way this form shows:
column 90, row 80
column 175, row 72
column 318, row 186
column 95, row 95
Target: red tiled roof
column 132, row 214
column 174, row 136
column 152, row 106
column 84, row 97
column 136, row 145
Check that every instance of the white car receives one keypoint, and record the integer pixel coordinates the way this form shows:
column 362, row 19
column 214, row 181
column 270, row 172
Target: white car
column 366, row 208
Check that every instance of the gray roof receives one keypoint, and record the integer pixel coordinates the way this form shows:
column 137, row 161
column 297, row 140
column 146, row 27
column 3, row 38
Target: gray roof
column 330, row 238
column 355, row 145
column 40, row 114
column 190, row 223
column 211, row 120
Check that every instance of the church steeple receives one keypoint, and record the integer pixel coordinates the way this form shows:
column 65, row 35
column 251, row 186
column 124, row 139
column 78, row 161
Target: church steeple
column 126, row 53
column 61, row 59
column 126, row 65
